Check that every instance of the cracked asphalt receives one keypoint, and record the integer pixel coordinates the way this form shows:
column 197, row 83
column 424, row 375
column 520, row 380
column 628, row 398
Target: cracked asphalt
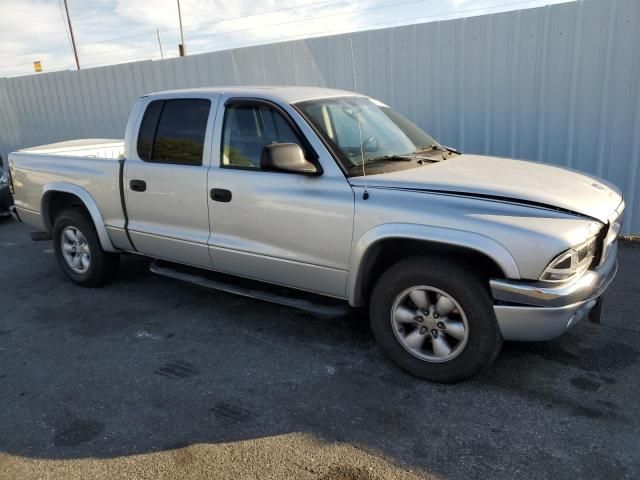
column 152, row 378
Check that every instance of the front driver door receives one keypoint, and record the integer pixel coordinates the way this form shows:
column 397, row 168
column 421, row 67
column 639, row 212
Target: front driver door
column 284, row 228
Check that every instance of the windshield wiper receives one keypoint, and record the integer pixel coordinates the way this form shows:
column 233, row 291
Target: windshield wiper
column 392, row 158
column 386, row 158
column 438, row 147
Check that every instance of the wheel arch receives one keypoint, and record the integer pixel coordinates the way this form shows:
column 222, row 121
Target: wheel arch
column 59, row 196
column 384, row 245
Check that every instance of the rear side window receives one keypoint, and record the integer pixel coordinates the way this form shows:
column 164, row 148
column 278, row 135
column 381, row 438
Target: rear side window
column 148, row 129
column 173, row 131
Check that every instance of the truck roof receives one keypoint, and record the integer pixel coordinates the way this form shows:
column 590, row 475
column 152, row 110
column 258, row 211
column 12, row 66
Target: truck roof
column 287, row 94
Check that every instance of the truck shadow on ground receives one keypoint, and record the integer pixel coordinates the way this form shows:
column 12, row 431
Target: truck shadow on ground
column 149, row 364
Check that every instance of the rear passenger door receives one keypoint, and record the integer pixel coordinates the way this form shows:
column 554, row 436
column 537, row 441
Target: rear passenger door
column 165, row 180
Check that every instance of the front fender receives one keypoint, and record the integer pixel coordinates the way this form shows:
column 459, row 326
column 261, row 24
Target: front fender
column 460, row 238
column 89, row 204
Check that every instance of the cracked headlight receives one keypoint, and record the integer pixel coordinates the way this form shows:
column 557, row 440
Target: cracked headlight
column 570, row 263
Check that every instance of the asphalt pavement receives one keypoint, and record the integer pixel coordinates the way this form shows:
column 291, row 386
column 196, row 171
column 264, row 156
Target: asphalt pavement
column 152, row 378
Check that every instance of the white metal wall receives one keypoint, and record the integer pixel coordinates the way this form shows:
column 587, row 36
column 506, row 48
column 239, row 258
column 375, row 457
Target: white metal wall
column 558, row 84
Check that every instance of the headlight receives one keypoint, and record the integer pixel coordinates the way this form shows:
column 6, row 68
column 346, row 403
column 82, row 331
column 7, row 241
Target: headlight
column 573, row 262
column 4, row 177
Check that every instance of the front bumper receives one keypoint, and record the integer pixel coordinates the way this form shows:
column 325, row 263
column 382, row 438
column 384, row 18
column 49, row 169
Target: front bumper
column 535, row 311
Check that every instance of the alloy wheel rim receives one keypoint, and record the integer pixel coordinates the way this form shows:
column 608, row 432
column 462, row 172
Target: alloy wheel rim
column 75, row 249
column 430, row 324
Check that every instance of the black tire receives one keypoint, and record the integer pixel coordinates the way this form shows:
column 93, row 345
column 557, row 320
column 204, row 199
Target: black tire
column 102, row 266
column 483, row 341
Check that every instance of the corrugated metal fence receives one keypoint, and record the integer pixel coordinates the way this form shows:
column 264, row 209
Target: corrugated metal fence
column 558, row 84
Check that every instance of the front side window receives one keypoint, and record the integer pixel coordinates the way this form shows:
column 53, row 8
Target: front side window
column 384, row 134
column 173, row 131
column 248, row 128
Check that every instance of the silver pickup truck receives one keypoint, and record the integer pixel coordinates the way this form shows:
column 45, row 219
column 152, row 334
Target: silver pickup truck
column 332, row 193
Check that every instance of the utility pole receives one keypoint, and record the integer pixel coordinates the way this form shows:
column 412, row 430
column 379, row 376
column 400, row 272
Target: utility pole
column 73, row 40
column 181, row 47
column 160, row 43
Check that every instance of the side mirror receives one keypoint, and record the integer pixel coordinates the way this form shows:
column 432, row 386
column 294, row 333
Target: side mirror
column 286, row 157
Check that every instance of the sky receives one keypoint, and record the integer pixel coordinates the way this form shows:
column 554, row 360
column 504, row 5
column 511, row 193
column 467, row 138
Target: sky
column 117, row 31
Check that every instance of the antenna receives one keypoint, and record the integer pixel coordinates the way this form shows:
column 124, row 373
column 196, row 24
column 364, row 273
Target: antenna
column 365, row 194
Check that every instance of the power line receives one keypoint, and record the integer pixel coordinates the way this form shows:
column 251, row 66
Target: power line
column 299, row 20
column 151, row 32
column 61, row 67
column 227, row 19
column 399, row 22
column 103, row 52
column 304, row 19
column 316, row 33
column 84, row 46
column 307, row 19
column 267, row 12
column 291, row 37
column 90, row 55
column 152, row 57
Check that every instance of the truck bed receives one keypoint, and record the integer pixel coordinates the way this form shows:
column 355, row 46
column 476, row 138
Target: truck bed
column 86, row 147
column 90, row 164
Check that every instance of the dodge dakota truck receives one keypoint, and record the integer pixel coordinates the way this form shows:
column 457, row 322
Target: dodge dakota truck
column 336, row 195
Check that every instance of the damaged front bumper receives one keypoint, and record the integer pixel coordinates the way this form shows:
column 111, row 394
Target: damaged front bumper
column 537, row 311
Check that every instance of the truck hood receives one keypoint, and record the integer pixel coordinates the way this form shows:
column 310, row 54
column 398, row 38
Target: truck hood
column 509, row 180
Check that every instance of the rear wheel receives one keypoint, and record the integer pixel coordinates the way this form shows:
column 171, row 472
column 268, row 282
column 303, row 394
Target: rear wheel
column 434, row 319
column 78, row 250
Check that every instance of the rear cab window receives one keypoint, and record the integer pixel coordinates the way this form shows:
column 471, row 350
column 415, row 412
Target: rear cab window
column 173, row 131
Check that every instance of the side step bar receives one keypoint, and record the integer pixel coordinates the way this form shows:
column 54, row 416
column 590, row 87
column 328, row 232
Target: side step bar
column 287, row 297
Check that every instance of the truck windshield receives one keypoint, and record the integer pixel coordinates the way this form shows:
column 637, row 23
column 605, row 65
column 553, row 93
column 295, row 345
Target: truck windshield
column 389, row 141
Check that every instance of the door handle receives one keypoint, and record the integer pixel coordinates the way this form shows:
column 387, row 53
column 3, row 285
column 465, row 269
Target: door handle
column 138, row 185
column 220, row 195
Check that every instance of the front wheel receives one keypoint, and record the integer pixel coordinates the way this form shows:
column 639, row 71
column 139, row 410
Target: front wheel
column 79, row 252
column 434, row 319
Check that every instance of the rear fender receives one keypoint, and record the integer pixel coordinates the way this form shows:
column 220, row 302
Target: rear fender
column 89, row 203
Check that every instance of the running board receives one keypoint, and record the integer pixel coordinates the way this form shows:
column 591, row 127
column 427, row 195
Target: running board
column 309, row 302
